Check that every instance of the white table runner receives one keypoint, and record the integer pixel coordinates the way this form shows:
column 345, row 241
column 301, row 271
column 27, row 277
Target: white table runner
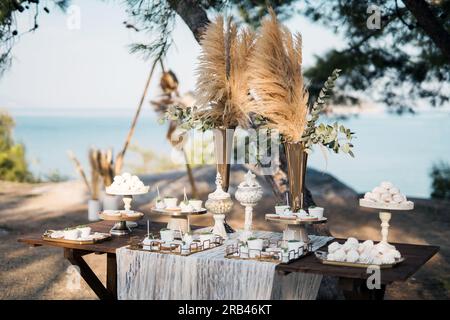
column 209, row 275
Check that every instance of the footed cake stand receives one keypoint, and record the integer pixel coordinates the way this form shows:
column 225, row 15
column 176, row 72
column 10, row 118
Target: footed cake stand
column 179, row 220
column 121, row 227
column 385, row 215
column 298, row 226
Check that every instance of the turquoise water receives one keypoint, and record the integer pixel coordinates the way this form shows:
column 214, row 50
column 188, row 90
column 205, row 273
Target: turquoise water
column 399, row 149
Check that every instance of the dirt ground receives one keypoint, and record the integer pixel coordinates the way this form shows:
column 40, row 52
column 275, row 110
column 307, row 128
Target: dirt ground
column 42, row 272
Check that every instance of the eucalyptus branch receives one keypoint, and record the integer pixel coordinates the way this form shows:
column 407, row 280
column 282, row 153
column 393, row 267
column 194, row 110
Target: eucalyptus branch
column 320, row 103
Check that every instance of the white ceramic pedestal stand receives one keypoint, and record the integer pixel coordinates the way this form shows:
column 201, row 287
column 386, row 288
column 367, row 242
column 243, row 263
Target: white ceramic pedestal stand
column 385, row 216
column 248, row 193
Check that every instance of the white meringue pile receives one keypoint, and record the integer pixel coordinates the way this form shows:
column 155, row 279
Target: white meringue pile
column 366, row 252
column 386, row 192
column 127, row 183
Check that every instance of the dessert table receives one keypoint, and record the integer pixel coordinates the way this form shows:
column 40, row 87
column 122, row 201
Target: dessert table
column 351, row 280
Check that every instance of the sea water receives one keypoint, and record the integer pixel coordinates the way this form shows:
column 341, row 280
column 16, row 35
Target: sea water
column 400, row 149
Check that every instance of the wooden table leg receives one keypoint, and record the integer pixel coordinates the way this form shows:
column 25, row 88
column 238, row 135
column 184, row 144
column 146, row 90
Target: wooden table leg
column 111, row 274
column 75, row 257
column 356, row 289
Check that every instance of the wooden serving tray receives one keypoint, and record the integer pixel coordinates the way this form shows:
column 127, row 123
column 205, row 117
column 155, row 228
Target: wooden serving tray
column 46, row 237
column 122, row 217
column 321, row 256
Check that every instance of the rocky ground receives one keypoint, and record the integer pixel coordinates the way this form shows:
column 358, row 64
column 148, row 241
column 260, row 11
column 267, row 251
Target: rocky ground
column 42, row 272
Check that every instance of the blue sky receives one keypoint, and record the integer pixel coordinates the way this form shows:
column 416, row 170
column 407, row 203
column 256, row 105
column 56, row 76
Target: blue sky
column 59, row 69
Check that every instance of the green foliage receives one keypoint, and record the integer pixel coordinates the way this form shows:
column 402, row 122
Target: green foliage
column 156, row 18
column 440, row 175
column 13, row 166
column 398, row 64
column 329, row 136
column 9, row 32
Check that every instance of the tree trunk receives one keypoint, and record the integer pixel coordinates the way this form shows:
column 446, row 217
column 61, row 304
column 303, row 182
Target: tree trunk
column 192, row 14
column 430, row 24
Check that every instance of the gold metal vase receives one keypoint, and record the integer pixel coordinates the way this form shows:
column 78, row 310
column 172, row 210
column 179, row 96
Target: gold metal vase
column 296, row 166
column 223, row 146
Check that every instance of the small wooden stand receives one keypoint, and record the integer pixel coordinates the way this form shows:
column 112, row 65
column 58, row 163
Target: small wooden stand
column 299, row 226
column 179, row 220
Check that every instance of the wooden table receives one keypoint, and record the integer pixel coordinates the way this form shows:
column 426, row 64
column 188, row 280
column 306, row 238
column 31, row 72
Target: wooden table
column 351, row 280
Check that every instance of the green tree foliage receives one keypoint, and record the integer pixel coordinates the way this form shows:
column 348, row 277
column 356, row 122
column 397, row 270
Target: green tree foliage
column 13, row 166
column 440, row 175
column 398, row 64
column 9, row 33
column 403, row 62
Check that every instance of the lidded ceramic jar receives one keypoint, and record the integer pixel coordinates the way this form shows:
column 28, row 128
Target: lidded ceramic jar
column 219, row 202
column 249, row 191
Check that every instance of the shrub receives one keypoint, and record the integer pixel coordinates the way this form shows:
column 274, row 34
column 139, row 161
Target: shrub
column 13, row 166
column 440, row 174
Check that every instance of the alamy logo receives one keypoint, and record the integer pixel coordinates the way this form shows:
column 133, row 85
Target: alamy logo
column 73, row 278
column 73, row 21
column 374, row 280
column 374, row 20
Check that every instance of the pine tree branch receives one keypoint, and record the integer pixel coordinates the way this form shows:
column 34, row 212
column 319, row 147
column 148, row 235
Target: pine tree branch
column 430, row 24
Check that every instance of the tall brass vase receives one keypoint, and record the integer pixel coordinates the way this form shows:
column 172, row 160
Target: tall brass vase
column 223, row 146
column 296, row 165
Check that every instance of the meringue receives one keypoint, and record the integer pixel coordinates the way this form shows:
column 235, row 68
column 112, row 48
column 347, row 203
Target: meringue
column 367, row 244
column 387, row 258
column 340, row 255
column 334, row 247
column 386, row 184
column 352, row 256
column 386, row 193
column 126, row 183
column 366, row 257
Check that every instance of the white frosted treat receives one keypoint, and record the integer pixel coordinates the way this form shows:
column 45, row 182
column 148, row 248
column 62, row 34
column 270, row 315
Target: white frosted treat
column 333, row 247
column 368, row 244
column 387, row 258
column 352, row 256
column 369, row 196
column 126, row 183
column 340, row 255
column 365, row 257
column 376, row 196
column 387, row 194
column 383, row 247
column 398, row 198
column 377, row 260
column 379, row 190
column 386, row 197
column 386, row 185
column 331, row 257
column 394, row 191
column 395, row 253
column 351, row 244
column 361, row 248
column 352, row 240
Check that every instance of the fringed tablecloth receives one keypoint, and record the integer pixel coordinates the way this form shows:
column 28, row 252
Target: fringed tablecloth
column 209, row 275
